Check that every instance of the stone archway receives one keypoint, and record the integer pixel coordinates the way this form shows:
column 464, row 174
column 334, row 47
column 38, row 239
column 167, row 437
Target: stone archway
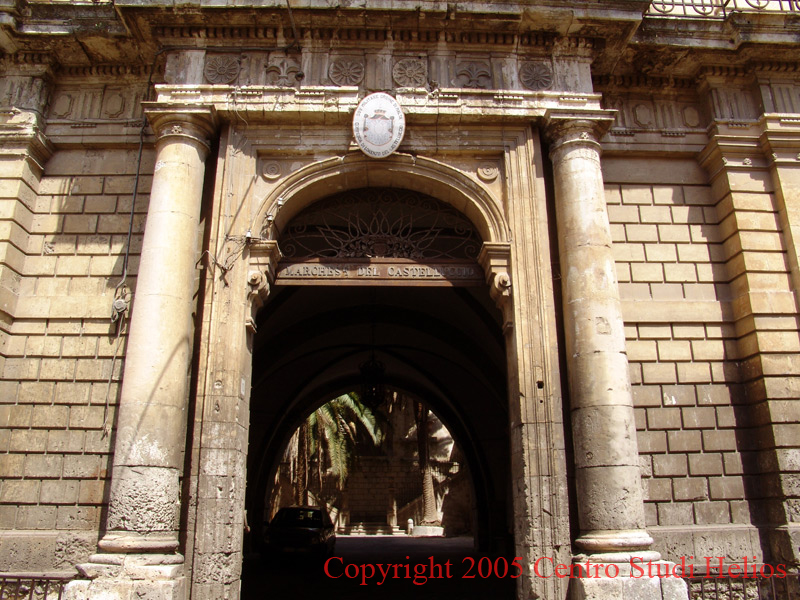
column 381, row 272
column 518, row 293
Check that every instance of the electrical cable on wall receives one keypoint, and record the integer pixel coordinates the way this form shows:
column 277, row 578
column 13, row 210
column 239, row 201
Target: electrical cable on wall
column 122, row 295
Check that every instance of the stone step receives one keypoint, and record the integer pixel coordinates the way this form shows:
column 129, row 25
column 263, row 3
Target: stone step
column 365, row 528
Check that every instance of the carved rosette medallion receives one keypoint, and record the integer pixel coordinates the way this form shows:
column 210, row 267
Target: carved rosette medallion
column 474, row 74
column 410, row 72
column 536, row 76
column 346, row 71
column 271, row 170
column 221, row 69
column 488, row 171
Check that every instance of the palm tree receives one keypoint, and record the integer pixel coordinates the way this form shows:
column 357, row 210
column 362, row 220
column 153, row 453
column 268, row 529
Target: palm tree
column 330, row 435
column 429, row 514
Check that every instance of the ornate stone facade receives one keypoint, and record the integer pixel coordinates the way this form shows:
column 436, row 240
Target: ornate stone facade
column 630, row 171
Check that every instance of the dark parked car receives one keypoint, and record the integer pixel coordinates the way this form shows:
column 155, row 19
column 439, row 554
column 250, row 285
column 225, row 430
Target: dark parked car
column 301, row 529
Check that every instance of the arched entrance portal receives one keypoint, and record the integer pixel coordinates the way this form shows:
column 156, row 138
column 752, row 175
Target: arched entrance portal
column 384, row 276
column 473, row 335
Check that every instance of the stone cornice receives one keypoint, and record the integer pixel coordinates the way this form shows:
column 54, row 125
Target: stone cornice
column 137, row 30
column 215, row 37
column 733, row 33
column 322, row 104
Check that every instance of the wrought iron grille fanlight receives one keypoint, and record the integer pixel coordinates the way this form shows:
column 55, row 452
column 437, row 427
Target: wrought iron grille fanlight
column 380, row 223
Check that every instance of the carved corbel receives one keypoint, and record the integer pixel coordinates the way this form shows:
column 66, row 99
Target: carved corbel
column 495, row 258
column 256, row 296
column 264, row 257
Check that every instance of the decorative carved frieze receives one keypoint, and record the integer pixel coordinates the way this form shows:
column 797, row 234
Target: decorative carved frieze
column 536, row 76
column 644, row 114
column 97, row 102
column 346, row 71
column 283, row 72
column 221, row 69
column 474, row 74
column 410, row 72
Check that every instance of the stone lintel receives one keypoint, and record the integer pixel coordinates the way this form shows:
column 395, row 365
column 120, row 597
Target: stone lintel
column 328, row 105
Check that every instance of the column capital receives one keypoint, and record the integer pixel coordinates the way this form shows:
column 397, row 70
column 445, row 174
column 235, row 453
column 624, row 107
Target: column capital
column 192, row 123
column 561, row 126
column 780, row 139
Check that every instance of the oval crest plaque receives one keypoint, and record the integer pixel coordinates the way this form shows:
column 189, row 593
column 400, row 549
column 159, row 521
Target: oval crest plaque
column 378, row 125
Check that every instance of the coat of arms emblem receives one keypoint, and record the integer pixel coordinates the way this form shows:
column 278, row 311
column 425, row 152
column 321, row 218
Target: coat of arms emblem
column 378, row 125
column 378, row 128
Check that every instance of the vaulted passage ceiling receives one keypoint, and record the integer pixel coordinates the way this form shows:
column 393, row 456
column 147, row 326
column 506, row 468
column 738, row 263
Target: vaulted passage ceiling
column 444, row 345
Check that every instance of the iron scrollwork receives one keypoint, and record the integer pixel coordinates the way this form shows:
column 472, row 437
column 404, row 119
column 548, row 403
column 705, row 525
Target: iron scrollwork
column 380, row 223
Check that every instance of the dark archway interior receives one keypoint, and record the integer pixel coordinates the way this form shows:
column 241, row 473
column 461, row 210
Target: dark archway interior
column 442, row 344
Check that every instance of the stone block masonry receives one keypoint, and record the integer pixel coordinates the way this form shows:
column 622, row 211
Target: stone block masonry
column 697, row 443
column 56, row 440
column 636, row 192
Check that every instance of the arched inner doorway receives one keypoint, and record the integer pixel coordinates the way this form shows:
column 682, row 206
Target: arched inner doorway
column 441, row 344
column 380, row 462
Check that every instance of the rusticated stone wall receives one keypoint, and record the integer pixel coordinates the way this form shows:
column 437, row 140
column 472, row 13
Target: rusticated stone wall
column 683, row 356
column 58, row 375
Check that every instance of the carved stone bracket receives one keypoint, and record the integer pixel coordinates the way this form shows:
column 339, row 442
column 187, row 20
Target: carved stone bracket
column 495, row 258
column 263, row 265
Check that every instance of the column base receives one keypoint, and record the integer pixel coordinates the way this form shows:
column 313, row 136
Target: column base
column 632, row 576
column 615, row 541
column 129, row 576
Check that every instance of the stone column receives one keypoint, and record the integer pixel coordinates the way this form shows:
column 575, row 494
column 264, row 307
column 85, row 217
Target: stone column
column 611, row 509
column 141, row 537
column 610, row 500
column 148, row 453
